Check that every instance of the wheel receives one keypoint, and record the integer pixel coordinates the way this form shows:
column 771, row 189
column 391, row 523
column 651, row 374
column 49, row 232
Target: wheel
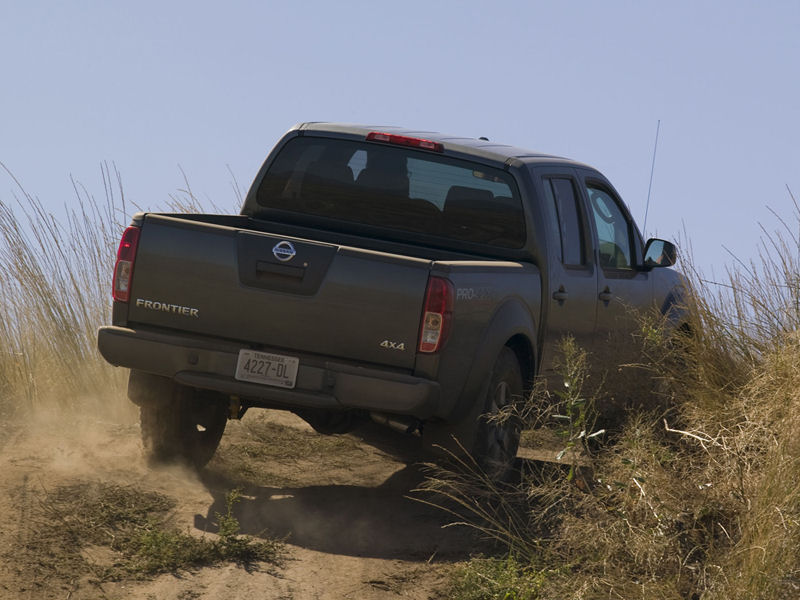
column 496, row 442
column 181, row 424
column 491, row 443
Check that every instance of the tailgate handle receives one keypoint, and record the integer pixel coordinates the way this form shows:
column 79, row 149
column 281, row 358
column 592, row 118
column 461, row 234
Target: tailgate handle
column 264, row 267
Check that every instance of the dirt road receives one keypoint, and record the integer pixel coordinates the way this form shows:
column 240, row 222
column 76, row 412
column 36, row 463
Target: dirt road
column 339, row 503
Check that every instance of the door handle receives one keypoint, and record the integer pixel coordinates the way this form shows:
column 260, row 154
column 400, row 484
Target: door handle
column 560, row 295
column 606, row 295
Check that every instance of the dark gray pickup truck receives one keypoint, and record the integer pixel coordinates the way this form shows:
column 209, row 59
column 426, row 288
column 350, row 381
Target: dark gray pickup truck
column 419, row 279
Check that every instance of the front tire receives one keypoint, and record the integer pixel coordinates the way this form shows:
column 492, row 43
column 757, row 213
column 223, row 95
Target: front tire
column 181, row 424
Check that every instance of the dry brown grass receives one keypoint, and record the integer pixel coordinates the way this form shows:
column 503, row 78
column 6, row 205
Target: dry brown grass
column 697, row 498
column 54, row 293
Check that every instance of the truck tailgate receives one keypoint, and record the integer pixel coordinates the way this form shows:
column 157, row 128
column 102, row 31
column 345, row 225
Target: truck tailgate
column 248, row 286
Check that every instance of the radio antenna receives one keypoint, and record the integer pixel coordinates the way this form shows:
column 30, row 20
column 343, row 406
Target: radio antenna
column 650, row 187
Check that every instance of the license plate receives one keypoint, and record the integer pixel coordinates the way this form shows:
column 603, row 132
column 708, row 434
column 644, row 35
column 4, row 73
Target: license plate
column 267, row 369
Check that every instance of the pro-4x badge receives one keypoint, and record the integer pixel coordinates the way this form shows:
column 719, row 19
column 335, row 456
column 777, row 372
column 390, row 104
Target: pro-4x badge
column 393, row 345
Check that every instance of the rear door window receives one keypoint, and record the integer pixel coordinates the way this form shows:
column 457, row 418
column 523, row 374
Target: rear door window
column 398, row 188
column 562, row 194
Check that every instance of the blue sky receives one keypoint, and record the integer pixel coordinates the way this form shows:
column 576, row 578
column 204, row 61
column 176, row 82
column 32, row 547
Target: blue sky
column 211, row 87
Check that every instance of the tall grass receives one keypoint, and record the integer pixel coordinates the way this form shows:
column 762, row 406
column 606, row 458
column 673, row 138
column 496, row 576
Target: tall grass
column 55, row 291
column 697, row 498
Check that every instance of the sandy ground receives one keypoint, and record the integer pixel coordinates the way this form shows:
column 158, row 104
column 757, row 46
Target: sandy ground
column 339, row 502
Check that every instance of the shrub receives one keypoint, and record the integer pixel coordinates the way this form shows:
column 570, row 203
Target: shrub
column 697, row 496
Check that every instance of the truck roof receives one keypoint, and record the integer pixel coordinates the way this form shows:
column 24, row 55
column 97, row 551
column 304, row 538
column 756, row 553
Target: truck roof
column 470, row 146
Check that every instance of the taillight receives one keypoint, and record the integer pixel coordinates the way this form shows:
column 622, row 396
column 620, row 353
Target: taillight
column 404, row 140
column 123, row 270
column 436, row 315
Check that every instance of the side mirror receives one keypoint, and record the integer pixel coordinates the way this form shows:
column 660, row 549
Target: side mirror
column 659, row 253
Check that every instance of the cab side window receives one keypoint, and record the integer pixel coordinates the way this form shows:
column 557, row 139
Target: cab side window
column 613, row 230
column 561, row 193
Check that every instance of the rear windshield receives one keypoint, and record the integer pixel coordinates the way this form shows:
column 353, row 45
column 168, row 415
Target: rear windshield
column 397, row 188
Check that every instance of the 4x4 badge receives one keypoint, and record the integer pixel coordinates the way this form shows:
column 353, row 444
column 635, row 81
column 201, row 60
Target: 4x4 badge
column 393, row 345
column 284, row 251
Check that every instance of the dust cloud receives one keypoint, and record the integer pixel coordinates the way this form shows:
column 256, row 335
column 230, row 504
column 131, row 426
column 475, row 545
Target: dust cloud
column 339, row 503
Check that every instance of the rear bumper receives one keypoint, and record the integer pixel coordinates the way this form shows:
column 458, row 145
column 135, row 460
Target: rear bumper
column 321, row 383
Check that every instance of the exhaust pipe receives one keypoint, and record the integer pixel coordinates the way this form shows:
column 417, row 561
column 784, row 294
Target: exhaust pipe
column 405, row 425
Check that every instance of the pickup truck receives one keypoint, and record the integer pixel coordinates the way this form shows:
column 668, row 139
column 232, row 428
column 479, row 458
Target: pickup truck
column 420, row 279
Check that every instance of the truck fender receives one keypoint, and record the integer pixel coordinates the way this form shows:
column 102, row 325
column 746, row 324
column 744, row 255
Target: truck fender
column 677, row 313
column 510, row 321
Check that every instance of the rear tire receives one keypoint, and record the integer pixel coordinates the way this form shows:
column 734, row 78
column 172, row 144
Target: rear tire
column 492, row 443
column 497, row 441
column 181, row 424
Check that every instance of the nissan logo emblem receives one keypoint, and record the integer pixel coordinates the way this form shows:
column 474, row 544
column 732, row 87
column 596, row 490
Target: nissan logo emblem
column 284, row 251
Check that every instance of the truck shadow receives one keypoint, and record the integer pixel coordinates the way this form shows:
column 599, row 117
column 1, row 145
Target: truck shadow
column 377, row 522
